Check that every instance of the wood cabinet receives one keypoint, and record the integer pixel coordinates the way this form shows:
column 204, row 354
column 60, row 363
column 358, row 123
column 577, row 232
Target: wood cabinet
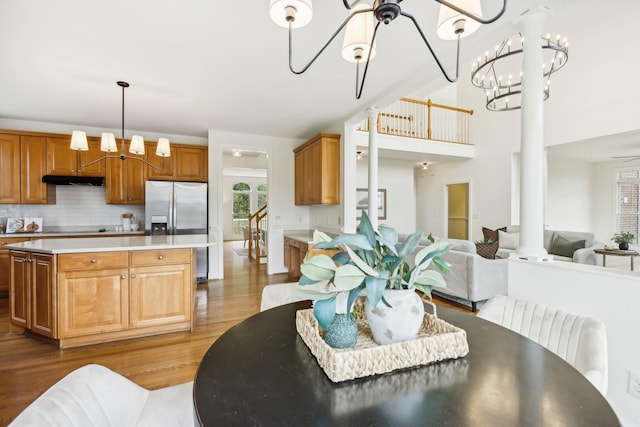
column 161, row 290
column 191, row 164
column 43, row 295
column 86, row 298
column 9, row 168
column 33, row 293
column 62, row 160
column 186, row 163
column 5, row 266
column 295, row 251
column 33, row 166
column 317, row 171
column 94, row 291
column 126, row 181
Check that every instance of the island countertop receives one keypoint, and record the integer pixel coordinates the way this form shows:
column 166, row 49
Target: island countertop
column 112, row 244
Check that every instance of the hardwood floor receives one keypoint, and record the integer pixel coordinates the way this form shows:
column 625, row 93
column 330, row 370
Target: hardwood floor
column 29, row 367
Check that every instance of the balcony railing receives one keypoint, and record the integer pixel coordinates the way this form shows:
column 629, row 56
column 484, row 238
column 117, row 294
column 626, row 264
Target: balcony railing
column 413, row 118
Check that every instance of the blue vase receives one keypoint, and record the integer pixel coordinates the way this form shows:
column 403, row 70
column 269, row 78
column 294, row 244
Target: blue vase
column 343, row 332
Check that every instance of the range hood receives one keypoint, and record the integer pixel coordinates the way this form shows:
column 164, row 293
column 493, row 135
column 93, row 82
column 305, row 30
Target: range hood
column 73, row 180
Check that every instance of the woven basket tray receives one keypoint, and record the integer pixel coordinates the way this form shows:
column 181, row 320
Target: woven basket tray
column 436, row 341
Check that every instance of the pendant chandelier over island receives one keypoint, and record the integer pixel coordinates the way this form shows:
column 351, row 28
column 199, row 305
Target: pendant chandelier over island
column 108, row 143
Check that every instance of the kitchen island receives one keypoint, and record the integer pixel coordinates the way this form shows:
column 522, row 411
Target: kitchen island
column 83, row 291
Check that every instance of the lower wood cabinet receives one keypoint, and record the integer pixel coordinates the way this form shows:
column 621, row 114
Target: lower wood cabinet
column 87, row 298
column 160, row 295
column 33, row 293
column 93, row 301
column 5, row 270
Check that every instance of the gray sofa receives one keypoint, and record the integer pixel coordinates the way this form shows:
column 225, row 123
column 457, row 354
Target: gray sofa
column 472, row 278
column 585, row 255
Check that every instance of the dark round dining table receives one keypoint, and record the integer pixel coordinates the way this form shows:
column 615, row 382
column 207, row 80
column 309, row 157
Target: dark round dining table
column 261, row 373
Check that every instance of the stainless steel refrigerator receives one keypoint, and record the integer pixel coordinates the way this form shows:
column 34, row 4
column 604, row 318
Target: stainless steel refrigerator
column 178, row 208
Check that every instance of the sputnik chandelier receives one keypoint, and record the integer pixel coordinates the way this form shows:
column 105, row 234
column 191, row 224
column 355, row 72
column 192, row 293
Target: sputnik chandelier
column 498, row 73
column 108, row 143
column 455, row 21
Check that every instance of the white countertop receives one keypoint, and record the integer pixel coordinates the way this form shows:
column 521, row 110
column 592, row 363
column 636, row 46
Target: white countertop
column 63, row 234
column 112, row 244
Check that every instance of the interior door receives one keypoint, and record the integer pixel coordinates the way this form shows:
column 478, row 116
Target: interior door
column 458, row 211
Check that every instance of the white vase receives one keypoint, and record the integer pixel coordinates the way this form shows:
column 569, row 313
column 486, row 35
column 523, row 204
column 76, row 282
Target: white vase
column 401, row 321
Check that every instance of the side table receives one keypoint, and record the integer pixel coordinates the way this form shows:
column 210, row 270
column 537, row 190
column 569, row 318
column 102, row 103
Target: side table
column 615, row 252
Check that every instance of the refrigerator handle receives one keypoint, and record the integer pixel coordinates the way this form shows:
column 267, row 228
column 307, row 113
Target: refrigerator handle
column 174, row 213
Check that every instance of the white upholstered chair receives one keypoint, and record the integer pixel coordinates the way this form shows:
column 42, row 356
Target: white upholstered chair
column 96, row 396
column 280, row 294
column 580, row 340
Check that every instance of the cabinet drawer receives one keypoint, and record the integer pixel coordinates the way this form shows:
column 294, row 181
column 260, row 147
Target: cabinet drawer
column 160, row 257
column 92, row 261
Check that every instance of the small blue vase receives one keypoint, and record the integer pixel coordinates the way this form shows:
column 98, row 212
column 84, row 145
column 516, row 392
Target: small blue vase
column 343, row 332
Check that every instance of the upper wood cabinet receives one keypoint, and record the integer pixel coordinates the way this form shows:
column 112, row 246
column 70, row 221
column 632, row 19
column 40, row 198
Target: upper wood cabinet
column 126, row 181
column 23, row 162
column 317, row 171
column 33, row 164
column 9, row 168
column 61, row 160
column 187, row 163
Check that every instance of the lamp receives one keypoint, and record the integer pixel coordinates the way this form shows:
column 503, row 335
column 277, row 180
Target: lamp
column 358, row 155
column 425, row 166
column 236, row 153
column 499, row 75
column 108, row 143
column 361, row 28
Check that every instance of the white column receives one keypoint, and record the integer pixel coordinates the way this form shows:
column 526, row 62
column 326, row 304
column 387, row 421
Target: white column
column 532, row 140
column 373, row 166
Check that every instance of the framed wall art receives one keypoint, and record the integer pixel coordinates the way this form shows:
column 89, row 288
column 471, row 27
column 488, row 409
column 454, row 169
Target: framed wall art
column 362, row 202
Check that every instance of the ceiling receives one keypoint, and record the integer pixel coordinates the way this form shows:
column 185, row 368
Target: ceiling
column 205, row 64
column 601, row 149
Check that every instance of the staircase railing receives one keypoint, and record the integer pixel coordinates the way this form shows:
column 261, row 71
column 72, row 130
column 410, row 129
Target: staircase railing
column 258, row 233
column 413, row 118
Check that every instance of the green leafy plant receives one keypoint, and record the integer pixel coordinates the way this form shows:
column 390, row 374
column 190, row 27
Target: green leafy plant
column 623, row 237
column 371, row 260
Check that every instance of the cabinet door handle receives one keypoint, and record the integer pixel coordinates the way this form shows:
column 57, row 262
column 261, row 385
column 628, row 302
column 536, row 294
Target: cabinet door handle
column 123, row 277
column 133, row 276
column 93, row 260
column 160, row 257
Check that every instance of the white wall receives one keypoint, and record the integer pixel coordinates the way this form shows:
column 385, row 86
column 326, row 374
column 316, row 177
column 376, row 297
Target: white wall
column 78, row 207
column 283, row 214
column 596, row 93
column 569, row 194
column 396, row 176
column 608, row 295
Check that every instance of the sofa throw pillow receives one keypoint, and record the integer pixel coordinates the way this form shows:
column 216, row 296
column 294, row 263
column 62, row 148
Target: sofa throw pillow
column 492, row 235
column 508, row 240
column 487, row 250
column 563, row 247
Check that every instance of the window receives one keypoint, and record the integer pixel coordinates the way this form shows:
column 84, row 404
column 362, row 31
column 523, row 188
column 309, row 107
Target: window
column 628, row 187
column 262, row 195
column 241, row 207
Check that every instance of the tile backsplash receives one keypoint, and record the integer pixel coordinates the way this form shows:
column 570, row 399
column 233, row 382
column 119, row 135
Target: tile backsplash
column 77, row 207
